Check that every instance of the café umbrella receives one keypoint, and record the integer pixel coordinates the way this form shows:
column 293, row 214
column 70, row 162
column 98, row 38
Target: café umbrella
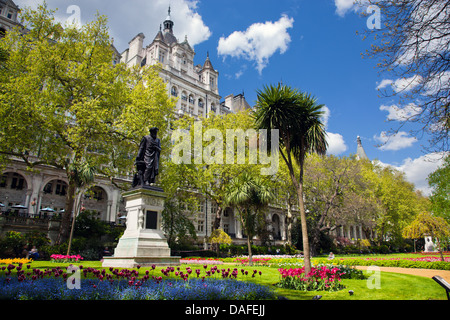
column 19, row 206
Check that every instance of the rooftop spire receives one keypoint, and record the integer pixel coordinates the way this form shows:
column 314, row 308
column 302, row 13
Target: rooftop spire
column 168, row 24
column 360, row 153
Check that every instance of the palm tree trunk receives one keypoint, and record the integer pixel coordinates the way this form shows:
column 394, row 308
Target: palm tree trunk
column 306, row 249
column 250, row 260
column 298, row 184
column 249, row 236
column 64, row 230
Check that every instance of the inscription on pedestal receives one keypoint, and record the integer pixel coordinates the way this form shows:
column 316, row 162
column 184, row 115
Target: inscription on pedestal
column 151, row 220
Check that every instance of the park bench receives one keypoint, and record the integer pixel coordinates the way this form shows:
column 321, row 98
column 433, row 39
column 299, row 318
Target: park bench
column 443, row 284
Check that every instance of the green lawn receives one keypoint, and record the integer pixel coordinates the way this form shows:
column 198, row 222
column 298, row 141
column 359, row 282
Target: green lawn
column 393, row 286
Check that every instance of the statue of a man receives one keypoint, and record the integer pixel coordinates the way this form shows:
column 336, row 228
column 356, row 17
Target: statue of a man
column 147, row 160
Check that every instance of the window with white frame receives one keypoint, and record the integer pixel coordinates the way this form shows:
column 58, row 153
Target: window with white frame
column 200, row 225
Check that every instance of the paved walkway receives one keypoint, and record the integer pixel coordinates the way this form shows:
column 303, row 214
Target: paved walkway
column 429, row 273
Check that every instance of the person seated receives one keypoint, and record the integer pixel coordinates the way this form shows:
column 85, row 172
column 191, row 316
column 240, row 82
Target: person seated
column 34, row 254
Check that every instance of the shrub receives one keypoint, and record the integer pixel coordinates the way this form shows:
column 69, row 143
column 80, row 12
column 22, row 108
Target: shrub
column 12, row 244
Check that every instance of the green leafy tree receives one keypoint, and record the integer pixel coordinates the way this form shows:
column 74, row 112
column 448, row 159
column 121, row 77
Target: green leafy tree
column 439, row 180
column 250, row 195
column 219, row 237
column 64, row 104
column 426, row 224
column 337, row 194
column 181, row 203
column 400, row 204
column 297, row 116
column 213, row 172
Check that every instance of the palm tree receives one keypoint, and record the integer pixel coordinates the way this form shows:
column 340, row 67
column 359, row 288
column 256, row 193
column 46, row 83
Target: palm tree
column 81, row 174
column 250, row 195
column 297, row 116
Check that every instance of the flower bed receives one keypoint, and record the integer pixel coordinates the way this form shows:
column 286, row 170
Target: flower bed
column 207, row 283
column 210, row 289
column 65, row 258
column 201, row 261
column 319, row 279
column 257, row 261
column 15, row 261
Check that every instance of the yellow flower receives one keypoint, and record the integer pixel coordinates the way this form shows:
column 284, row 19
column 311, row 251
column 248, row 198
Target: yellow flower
column 15, row 260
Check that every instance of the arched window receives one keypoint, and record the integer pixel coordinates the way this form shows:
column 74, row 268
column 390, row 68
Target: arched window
column 200, row 103
column 56, row 187
column 191, row 99
column 174, row 92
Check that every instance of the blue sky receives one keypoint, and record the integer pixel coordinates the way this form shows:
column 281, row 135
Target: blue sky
column 309, row 45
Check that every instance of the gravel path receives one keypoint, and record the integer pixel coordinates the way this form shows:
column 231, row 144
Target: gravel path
column 429, row 273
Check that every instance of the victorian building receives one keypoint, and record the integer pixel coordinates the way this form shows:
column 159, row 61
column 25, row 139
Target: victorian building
column 42, row 192
column 195, row 85
column 8, row 16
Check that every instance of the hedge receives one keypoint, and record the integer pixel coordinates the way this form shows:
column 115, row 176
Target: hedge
column 399, row 263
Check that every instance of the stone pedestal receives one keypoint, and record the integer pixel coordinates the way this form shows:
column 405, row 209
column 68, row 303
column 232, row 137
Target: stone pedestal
column 143, row 242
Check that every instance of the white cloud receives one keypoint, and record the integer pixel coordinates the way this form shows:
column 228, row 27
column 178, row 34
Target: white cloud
column 259, row 42
column 395, row 142
column 127, row 19
column 402, row 84
column 427, row 36
column 383, row 84
column 336, row 143
column 417, row 170
column 326, row 115
column 406, row 113
column 343, row 6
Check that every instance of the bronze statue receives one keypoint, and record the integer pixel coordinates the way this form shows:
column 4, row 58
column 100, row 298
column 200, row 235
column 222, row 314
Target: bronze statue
column 147, row 160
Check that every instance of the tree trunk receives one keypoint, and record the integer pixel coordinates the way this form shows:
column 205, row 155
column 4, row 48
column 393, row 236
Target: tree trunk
column 306, row 248
column 289, row 225
column 64, row 230
column 440, row 249
column 249, row 244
